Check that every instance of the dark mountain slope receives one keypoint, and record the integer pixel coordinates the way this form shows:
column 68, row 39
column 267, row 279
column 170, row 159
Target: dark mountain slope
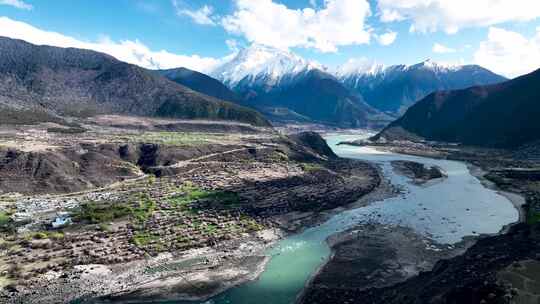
column 320, row 97
column 201, row 83
column 501, row 115
column 66, row 81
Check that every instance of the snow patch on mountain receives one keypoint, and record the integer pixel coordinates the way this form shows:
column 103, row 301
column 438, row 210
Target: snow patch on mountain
column 360, row 66
column 263, row 65
column 436, row 66
column 366, row 68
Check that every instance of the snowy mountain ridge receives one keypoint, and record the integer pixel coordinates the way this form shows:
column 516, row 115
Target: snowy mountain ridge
column 361, row 68
column 262, row 65
column 259, row 70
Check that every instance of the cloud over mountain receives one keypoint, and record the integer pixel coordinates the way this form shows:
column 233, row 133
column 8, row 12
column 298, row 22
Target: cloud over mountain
column 17, row 4
column 508, row 52
column 442, row 49
column 451, row 16
column 130, row 51
column 201, row 16
column 337, row 23
column 387, row 38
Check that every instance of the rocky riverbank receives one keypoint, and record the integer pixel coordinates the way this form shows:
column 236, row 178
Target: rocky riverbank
column 483, row 274
column 496, row 269
column 417, row 172
column 374, row 256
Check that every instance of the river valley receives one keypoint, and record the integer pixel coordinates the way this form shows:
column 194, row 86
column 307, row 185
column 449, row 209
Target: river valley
column 443, row 212
column 304, row 155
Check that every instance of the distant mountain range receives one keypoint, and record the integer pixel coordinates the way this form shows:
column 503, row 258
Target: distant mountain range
column 502, row 115
column 43, row 83
column 394, row 89
column 286, row 87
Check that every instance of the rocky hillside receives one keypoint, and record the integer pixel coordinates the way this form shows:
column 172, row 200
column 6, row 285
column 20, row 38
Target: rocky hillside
column 43, row 83
column 394, row 89
column 501, row 115
column 201, row 83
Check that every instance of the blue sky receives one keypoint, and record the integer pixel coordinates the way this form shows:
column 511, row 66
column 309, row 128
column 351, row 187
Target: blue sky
column 498, row 34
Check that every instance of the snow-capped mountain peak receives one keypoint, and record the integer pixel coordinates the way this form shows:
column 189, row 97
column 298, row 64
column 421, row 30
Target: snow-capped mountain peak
column 435, row 66
column 393, row 89
column 358, row 67
column 261, row 63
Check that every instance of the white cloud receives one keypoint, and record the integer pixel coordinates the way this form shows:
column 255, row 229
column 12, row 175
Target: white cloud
column 452, row 15
column 442, row 49
column 337, row 23
column 17, row 3
column 232, row 44
column 509, row 53
column 203, row 15
column 387, row 38
column 134, row 52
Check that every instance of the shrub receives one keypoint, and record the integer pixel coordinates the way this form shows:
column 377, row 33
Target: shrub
column 143, row 238
column 5, row 219
column 310, row 167
column 74, row 130
column 533, row 218
column 40, row 235
column 97, row 213
column 102, row 213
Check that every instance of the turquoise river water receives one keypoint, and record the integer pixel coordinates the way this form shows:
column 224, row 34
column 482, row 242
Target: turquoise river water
column 446, row 212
